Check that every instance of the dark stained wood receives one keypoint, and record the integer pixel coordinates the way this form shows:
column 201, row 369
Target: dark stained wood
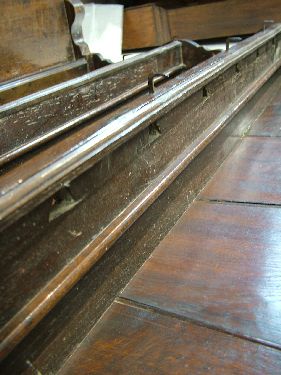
column 223, row 18
column 31, row 121
column 34, row 35
column 59, row 333
column 252, row 173
column 141, row 110
column 220, row 265
column 129, row 340
column 269, row 123
column 137, row 178
column 150, row 167
column 145, row 26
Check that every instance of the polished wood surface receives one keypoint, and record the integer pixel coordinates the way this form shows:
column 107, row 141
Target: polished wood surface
column 138, row 178
column 222, row 18
column 208, row 299
column 220, row 266
column 34, row 35
column 269, row 123
column 145, row 26
column 129, row 340
column 251, row 174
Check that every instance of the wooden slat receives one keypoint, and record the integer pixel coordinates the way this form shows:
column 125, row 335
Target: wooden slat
column 220, row 265
column 129, row 340
column 34, row 35
column 145, row 26
column 251, row 174
column 223, row 18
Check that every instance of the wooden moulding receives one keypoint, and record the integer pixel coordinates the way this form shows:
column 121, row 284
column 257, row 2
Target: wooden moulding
column 222, row 18
column 193, row 108
column 72, row 320
column 39, row 117
column 66, row 160
column 145, row 26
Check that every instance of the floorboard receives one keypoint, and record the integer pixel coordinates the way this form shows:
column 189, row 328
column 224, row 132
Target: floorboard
column 252, row 173
column 133, row 341
column 221, row 266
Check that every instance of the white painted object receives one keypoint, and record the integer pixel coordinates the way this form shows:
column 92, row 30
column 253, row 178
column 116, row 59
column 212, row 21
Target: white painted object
column 103, row 30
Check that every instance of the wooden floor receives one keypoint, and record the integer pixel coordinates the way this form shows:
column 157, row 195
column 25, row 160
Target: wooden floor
column 209, row 298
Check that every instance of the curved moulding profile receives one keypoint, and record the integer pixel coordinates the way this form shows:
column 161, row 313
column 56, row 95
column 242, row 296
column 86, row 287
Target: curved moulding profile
column 77, row 28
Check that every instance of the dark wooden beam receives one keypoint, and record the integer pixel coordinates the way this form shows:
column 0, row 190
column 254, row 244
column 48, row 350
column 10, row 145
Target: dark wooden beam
column 222, row 18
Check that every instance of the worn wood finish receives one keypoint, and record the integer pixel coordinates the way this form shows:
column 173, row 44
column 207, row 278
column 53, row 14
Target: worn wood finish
column 219, row 75
column 130, row 340
column 34, row 35
column 255, row 173
column 16, row 89
column 145, row 26
column 269, row 123
column 35, row 119
column 57, row 247
column 223, row 18
column 155, row 222
column 220, row 266
column 58, row 334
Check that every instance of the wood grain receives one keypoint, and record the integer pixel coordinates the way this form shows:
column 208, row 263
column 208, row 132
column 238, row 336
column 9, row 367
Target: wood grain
column 16, row 89
column 133, row 341
column 220, row 265
column 222, row 18
column 269, row 123
column 251, row 174
column 34, row 35
column 145, row 26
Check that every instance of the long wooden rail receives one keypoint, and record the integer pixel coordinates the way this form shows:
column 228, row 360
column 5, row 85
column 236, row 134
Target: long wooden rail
column 67, row 204
column 36, row 118
column 208, row 298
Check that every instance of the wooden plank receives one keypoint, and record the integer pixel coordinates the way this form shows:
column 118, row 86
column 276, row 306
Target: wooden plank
column 145, row 26
column 220, row 266
column 34, row 35
column 223, row 18
column 255, row 173
column 129, row 340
